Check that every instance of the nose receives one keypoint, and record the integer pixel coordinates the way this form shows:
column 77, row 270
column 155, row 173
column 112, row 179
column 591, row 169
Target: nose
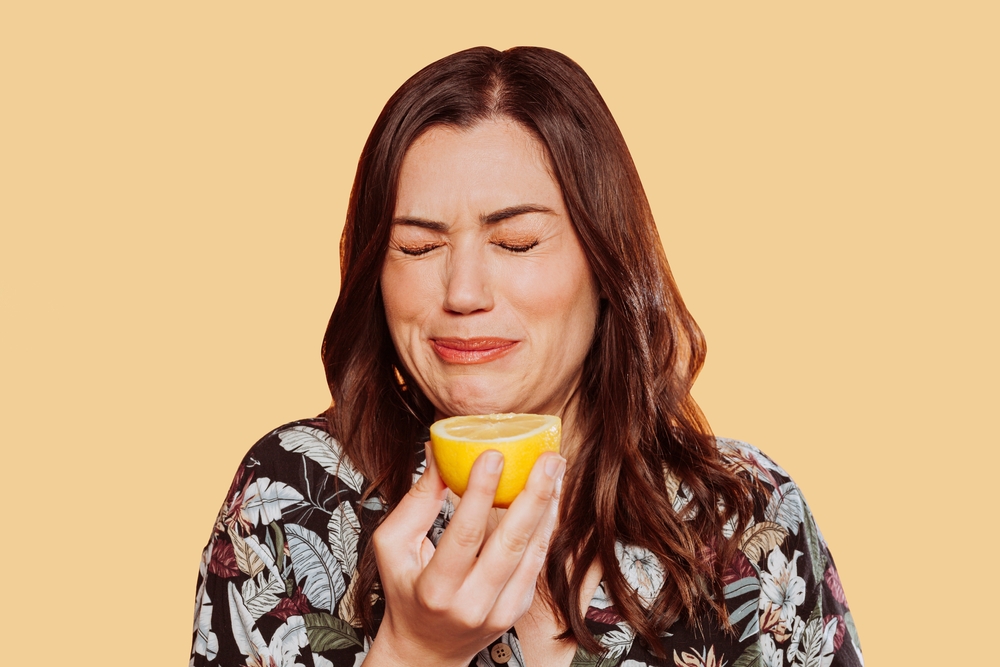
column 468, row 286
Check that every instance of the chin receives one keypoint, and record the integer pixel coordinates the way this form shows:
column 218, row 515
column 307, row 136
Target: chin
column 476, row 399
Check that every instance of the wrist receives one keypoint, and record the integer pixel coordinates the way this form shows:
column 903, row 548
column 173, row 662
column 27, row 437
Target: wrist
column 389, row 651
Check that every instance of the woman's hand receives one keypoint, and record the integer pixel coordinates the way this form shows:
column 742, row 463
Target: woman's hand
column 444, row 605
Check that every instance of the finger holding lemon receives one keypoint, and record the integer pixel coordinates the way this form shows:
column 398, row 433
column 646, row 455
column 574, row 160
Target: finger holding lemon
column 468, row 591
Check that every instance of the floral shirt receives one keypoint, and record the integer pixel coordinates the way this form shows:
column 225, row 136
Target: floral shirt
column 275, row 582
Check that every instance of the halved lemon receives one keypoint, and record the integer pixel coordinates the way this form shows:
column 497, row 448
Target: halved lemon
column 521, row 438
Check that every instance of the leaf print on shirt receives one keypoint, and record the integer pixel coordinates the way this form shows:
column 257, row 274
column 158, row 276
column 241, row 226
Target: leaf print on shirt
column 314, row 567
column 294, row 605
column 265, row 553
column 739, row 588
column 244, row 629
column 283, row 650
column 617, row 642
column 329, row 633
column 752, row 657
column 705, row 658
column 585, row 659
column 748, row 457
column 798, row 627
column 344, row 531
column 264, row 500
column 223, row 562
column 247, row 559
column 262, row 594
column 760, row 538
column 781, row 586
column 817, row 643
column 786, row 507
column 642, row 569
column 832, row 580
column 770, row 654
column 324, row 450
column 205, row 642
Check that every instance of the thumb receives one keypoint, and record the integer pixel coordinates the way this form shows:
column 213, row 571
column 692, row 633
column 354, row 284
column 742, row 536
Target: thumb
column 416, row 512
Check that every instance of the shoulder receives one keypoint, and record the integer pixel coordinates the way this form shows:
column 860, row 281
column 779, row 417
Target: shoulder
column 284, row 549
column 299, row 452
column 781, row 510
column 740, row 454
column 784, row 562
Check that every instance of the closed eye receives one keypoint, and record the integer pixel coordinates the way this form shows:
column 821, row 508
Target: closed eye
column 517, row 247
column 415, row 250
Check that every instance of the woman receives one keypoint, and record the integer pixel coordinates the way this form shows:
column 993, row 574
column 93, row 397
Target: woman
column 500, row 256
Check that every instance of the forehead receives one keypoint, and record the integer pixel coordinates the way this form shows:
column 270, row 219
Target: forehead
column 494, row 162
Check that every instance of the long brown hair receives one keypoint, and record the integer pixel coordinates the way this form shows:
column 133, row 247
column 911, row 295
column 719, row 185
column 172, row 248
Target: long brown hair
column 637, row 418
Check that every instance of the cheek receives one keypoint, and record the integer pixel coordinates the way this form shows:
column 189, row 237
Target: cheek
column 559, row 301
column 404, row 306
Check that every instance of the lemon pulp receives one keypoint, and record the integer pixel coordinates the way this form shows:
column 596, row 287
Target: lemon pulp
column 521, row 438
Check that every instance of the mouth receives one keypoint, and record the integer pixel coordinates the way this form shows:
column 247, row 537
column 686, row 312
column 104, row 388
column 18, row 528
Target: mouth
column 472, row 350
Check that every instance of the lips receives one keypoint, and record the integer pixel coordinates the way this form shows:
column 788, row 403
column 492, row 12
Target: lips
column 472, row 350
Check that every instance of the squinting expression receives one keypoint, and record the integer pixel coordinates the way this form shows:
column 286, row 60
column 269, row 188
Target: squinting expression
column 488, row 294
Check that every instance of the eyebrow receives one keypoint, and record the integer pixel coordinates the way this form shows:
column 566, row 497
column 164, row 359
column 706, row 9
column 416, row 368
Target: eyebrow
column 486, row 218
column 512, row 212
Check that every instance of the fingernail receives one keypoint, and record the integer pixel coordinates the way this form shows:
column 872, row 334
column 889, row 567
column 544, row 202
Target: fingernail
column 555, row 467
column 494, row 462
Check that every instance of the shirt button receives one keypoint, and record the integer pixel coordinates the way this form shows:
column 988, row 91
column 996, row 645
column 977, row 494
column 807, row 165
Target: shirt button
column 501, row 653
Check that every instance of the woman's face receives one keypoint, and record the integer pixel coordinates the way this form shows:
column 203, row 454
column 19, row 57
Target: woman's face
column 488, row 294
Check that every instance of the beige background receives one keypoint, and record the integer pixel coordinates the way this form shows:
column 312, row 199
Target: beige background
column 173, row 181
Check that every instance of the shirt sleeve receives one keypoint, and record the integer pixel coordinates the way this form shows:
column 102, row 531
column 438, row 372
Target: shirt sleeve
column 804, row 615
column 273, row 581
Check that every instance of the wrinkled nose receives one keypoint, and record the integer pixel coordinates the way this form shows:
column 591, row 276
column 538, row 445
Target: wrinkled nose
column 468, row 286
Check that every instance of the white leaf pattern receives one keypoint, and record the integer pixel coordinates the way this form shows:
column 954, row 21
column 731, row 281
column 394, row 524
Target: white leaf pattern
column 265, row 500
column 264, row 554
column 817, row 644
column 286, row 642
column 786, row 507
column 344, row 530
column 324, row 450
column 206, row 642
column 316, row 570
column 617, row 642
column 245, row 632
column 262, row 595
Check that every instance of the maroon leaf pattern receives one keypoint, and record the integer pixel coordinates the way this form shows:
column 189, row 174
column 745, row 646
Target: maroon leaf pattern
column 296, row 605
column 223, row 563
column 832, row 579
column 739, row 568
column 608, row 615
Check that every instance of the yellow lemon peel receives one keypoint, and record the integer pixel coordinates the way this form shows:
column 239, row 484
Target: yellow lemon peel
column 521, row 438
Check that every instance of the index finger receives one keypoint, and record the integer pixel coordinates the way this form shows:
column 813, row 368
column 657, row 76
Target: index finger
column 459, row 546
